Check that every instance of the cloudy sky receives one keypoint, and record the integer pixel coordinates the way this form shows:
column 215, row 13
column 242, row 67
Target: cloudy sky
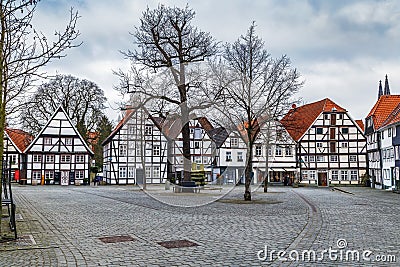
column 342, row 48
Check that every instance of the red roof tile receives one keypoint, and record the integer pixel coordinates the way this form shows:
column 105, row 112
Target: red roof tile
column 360, row 123
column 20, row 138
column 382, row 110
column 298, row 120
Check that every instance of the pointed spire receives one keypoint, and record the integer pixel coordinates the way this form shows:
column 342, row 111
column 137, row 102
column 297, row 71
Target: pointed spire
column 380, row 92
column 387, row 90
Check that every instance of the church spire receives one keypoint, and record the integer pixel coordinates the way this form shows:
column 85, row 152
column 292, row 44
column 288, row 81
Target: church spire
column 380, row 92
column 387, row 90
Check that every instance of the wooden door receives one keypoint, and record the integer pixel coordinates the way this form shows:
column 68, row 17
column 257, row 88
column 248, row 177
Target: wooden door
column 322, row 179
column 64, row 177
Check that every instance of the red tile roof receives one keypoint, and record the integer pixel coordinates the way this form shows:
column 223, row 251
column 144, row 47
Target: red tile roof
column 299, row 119
column 360, row 123
column 382, row 109
column 20, row 138
column 394, row 117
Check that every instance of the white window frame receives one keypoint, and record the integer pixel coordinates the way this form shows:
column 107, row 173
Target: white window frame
column 37, row 158
column 234, row 142
column 240, row 156
column 122, row 172
column 123, row 150
column 311, row 175
column 68, row 141
column 344, row 175
column 79, row 158
column 228, row 156
column 335, row 175
column 156, row 150
column 320, row 158
column 304, row 175
column 36, row 175
column 353, row 175
column 65, row 158
column 148, row 130
column 131, row 172
column 278, row 151
column 79, row 174
column 334, row 158
column 49, row 158
column 156, row 172
column 288, row 151
column 48, row 175
column 47, row 140
column 352, row 158
column 258, row 151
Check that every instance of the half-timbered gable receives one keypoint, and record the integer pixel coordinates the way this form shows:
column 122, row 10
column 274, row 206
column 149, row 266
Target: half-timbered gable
column 205, row 141
column 136, row 148
column 15, row 142
column 58, row 154
column 331, row 146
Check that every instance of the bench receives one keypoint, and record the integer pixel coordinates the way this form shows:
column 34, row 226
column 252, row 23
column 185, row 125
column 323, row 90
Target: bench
column 186, row 187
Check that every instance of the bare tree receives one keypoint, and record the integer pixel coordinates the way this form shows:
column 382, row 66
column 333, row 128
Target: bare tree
column 162, row 65
column 23, row 51
column 83, row 101
column 257, row 90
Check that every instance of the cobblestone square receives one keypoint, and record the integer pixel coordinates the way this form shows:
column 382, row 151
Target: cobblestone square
column 65, row 226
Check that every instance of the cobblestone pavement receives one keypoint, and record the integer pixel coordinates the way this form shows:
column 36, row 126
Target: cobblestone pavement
column 62, row 226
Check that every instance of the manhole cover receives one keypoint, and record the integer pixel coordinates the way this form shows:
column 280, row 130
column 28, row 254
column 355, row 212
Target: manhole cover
column 116, row 239
column 178, row 244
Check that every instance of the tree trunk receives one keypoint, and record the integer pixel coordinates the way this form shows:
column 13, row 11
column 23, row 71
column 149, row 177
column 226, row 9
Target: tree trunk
column 187, row 161
column 2, row 127
column 248, row 173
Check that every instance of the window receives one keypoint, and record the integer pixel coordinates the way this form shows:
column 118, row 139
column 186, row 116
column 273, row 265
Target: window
column 148, row 172
column 156, row 172
column 196, row 144
column 47, row 140
column 197, row 159
column 197, row 133
column 326, row 116
column 138, row 151
column 131, row 172
column 335, row 175
column 390, row 132
column 258, row 151
column 68, row 141
column 79, row 175
column 278, row 151
column 345, row 144
column 234, row 142
column 156, row 150
column 228, row 156
column 13, row 159
column 80, row 158
column 122, row 150
column 304, row 175
column 148, row 130
column 352, row 158
column 319, row 144
column 354, row 175
column 48, row 175
column 205, row 160
column 340, row 116
column 311, row 175
column 305, row 158
column 65, row 158
column 333, row 119
column 319, row 130
column 320, row 158
column 131, row 129
column 269, row 152
column 240, row 156
column 343, row 175
column 382, row 135
column 345, row 130
column 311, row 158
column 37, row 158
column 49, row 158
column 288, row 151
column 122, row 172
column 334, row 158
column 36, row 175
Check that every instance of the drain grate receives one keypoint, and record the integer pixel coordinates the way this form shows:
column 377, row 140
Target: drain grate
column 25, row 240
column 178, row 244
column 116, row 239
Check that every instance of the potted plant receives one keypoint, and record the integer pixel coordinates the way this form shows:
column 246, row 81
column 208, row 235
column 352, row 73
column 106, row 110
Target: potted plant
column 47, row 181
column 85, row 181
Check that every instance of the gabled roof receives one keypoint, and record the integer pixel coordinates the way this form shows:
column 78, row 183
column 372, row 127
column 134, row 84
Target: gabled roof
column 19, row 138
column 299, row 119
column 60, row 109
column 384, row 112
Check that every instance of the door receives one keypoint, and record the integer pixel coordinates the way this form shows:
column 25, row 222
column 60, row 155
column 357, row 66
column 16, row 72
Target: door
column 64, row 177
column 57, row 177
column 139, row 176
column 322, row 179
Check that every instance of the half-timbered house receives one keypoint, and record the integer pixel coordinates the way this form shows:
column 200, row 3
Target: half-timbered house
column 58, row 154
column 136, row 150
column 331, row 146
column 383, row 140
column 14, row 160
